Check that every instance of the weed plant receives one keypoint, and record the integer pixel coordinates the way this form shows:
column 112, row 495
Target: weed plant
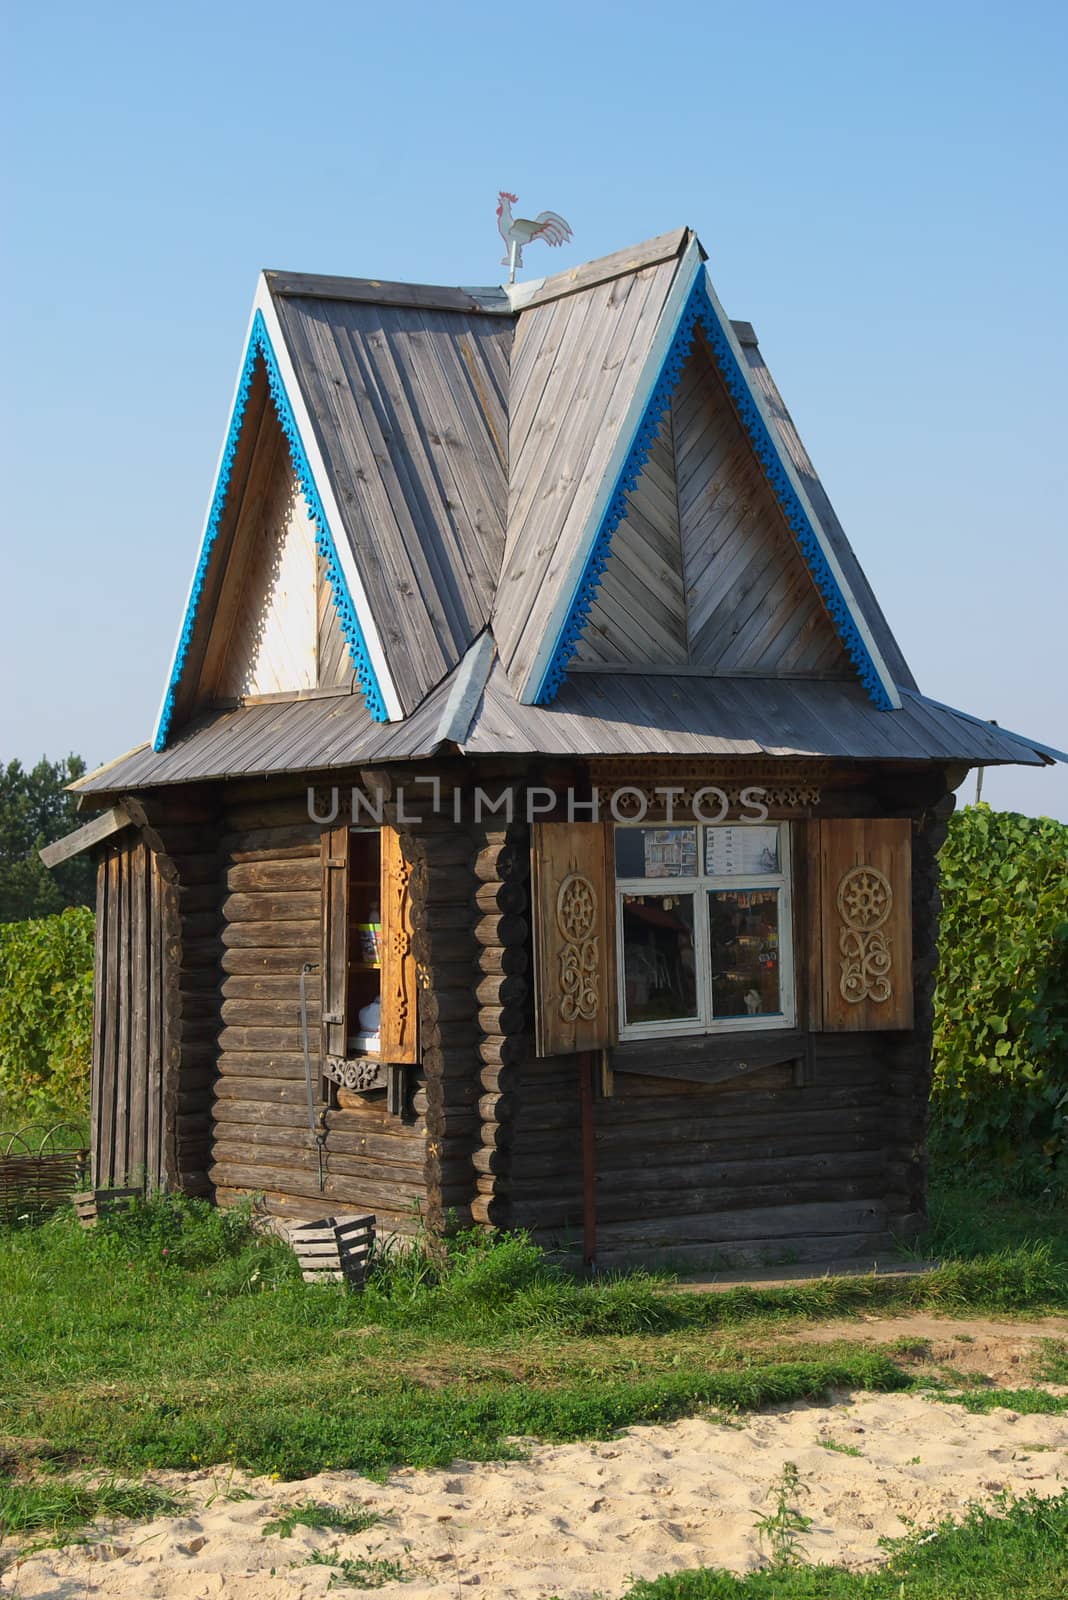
column 1015, row 1550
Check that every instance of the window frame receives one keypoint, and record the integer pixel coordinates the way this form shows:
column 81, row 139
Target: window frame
column 699, row 886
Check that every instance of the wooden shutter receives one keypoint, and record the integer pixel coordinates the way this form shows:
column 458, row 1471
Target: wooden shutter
column 335, row 956
column 573, row 888
column 859, row 889
column 400, row 1034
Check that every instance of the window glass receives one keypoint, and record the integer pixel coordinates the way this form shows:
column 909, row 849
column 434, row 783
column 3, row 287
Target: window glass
column 659, row 969
column 656, row 852
column 743, row 927
column 743, row 852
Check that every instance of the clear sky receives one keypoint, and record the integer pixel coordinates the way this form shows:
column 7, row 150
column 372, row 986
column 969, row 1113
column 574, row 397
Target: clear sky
column 880, row 188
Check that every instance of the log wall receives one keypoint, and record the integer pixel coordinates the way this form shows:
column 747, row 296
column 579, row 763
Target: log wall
column 271, row 908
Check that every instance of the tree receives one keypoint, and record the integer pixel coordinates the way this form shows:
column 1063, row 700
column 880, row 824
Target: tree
column 34, row 811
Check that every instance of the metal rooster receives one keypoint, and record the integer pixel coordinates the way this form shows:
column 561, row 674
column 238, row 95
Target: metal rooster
column 517, row 232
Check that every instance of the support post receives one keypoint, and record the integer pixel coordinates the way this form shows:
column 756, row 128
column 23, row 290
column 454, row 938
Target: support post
column 589, row 1168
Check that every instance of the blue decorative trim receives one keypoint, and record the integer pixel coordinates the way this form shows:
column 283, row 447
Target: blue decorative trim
column 700, row 310
column 260, row 349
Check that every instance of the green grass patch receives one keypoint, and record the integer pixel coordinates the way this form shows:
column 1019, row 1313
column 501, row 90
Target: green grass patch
column 1052, row 1363
column 59, row 1508
column 174, row 1335
column 363, row 1572
column 314, row 1514
column 1019, row 1548
column 1028, row 1402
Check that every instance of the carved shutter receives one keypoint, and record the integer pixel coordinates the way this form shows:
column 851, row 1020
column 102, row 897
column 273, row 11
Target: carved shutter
column 573, row 888
column 860, row 889
column 399, row 1038
column 335, row 956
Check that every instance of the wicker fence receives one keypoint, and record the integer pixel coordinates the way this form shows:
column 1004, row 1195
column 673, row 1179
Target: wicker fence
column 40, row 1169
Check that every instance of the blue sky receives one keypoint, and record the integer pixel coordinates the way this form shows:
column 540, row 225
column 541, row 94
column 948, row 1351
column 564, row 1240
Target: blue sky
column 880, row 189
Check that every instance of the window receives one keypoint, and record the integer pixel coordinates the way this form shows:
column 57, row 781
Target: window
column 369, row 1001
column 363, row 988
column 704, row 928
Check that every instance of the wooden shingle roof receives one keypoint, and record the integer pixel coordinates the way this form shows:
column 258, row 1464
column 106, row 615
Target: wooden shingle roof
column 467, row 457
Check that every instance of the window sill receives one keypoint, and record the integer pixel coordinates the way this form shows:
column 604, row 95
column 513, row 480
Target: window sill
column 712, row 1057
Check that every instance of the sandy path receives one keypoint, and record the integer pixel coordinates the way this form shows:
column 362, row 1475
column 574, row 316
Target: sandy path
column 579, row 1519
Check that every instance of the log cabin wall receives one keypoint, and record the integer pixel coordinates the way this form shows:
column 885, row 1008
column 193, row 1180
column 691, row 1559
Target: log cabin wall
column 811, row 1164
column 271, row 925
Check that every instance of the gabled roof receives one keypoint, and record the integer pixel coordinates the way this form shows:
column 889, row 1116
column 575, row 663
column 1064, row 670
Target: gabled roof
column 473, row 462
column 464, row 454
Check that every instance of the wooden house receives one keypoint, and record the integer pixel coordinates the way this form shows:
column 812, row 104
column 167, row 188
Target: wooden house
column 540, row 827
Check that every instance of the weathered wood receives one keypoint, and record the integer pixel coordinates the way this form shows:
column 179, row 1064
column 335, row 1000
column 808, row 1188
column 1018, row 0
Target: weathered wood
column 272, row 874
column 264, row 906
column 573, row 899
column 866, row 924
column 511, row 959
column 84, row 838
column 273, row 934
column 400, row 1002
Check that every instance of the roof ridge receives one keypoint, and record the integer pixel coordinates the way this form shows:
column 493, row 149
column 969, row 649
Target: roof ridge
column 488, row 300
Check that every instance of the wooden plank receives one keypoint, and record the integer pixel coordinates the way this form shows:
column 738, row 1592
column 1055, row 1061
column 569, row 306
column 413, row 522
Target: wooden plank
column 335, row 956
column 665, row 247
column 374, row 291
column 137, row 1152
column 399, row 1039
column 122, row 1017
column 572, row 893
column 866, row 919
column 98, row 1072
column 95, row 832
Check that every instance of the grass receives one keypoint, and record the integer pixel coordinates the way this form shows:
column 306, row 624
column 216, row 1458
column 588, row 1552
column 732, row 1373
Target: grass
column 840, row 1449
column 1052, row 1363
column 362, row 1572
column 1018, row 1549
column 314, row 1514
column 59, row 1508
column 174, row 1336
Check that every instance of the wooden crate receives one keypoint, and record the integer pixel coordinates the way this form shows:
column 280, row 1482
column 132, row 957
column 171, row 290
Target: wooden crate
column 96, row 1203
column 333, row 1249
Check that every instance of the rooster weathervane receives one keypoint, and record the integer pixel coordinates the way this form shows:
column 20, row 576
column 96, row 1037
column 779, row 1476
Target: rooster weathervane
column 547, row 225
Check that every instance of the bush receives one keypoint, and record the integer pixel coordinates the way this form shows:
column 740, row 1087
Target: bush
column 1001, row 1007
column 46, row 1016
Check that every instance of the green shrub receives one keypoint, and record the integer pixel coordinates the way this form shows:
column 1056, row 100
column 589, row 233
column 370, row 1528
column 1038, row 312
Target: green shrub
column 1001, row 1007
column 46, row 1016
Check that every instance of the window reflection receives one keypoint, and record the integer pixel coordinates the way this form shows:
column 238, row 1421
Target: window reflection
column 743, row 929
column 659, row 975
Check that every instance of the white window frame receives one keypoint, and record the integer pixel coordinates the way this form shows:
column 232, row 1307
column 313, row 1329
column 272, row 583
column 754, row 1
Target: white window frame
column 698, row 886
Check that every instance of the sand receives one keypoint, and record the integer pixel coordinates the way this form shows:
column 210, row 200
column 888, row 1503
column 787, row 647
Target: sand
column 578, row 1520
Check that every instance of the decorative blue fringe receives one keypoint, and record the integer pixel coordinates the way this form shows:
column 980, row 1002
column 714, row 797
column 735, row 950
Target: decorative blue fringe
column 260, row 349
column 699, row 309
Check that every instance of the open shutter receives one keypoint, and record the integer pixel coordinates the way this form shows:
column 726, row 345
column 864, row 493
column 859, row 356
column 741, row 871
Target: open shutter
column 573, row 886
column 335, row 956
column 399, row 1034
column 860, row 924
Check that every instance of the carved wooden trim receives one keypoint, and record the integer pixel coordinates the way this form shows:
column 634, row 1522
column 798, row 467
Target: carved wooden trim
column 580, row 953
column 865, row 900
column 360, row 1074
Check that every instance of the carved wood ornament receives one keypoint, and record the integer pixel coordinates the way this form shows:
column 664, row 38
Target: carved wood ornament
column 580, row 955
column 865, row 900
